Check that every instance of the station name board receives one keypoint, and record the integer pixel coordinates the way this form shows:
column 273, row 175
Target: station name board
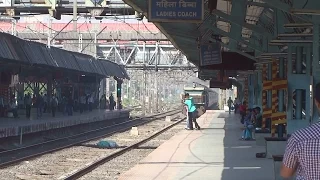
column 210, row 54
column 191, row 11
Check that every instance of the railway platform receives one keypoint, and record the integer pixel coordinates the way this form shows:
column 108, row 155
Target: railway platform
column 12, row 127
column 214, row 153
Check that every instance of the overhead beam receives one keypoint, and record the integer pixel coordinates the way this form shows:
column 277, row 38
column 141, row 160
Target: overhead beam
column 295, row 35
column 286, row 8
column 232, row 37
column 238, row 14
column 298, row 25
column 234, row 21
column 160, row 67
column 306, row 11
column 258, row 4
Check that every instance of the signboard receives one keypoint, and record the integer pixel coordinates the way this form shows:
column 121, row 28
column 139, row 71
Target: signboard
column 220, row 84
column 191, row 11
column 210, row 54
column 231, row 73
column 207, row 74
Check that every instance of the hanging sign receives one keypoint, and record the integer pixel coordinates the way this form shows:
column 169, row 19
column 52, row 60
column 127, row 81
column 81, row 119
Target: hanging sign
column 206, row 74
column 191, row 11
column 210, row 54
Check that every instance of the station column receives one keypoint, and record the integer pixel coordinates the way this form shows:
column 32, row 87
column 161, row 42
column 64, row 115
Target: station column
column 315, row 62
column 259, row 89
column 119, row 88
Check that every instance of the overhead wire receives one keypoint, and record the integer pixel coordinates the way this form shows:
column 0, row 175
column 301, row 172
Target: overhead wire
column 50, row 28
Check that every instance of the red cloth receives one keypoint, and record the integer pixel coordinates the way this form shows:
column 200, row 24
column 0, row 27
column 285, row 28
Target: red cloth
column 242, row 108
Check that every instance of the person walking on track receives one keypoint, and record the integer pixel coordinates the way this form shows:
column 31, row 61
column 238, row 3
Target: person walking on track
column 191, row 113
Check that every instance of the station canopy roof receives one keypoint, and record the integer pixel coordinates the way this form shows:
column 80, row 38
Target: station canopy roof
column 16, row 50
column 240, row 26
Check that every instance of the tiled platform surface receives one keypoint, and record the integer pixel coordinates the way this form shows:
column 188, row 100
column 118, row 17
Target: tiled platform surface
column 214, row 153
column 12, row 126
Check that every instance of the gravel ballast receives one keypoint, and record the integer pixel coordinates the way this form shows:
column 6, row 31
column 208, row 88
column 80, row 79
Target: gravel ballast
column 54, row 165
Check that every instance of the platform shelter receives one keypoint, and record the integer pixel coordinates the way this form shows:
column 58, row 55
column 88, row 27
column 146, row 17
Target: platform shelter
column 32, row 67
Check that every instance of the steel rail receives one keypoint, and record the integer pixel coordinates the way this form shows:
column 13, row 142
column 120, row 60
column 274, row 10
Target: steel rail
column 89, row 167
column 15, row 161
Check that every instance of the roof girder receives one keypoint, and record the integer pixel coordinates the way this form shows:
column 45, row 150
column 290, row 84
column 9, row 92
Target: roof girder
column 286, row 8
column 235, row 21
column 234, row 38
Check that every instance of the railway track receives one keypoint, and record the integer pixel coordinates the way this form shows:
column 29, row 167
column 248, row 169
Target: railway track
column 76, row 174
column 14, row 156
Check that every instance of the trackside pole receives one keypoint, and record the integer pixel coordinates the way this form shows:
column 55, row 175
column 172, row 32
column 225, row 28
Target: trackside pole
column 21, row 133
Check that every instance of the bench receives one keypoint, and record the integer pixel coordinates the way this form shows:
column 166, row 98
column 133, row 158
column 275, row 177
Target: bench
column 275, row 146
column 260, row 135
column 277, row 163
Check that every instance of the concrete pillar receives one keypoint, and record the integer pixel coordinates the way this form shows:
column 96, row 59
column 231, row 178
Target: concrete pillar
column 315, row 62
column 269, row 93
column 259, row 96
column 281, row 127
column 299, row 58
column 281, row 92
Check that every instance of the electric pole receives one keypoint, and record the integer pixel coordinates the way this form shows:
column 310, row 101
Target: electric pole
column 75, row 15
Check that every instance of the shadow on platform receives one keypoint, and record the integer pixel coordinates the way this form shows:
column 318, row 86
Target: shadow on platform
column 239, row 156
column 214, row 106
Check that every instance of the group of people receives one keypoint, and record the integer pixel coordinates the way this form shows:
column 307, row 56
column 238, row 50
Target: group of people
column 252, row 120
column 233, row 105
column 192, row 113
column 107, row 104
column 302, row 154
column 45, row 104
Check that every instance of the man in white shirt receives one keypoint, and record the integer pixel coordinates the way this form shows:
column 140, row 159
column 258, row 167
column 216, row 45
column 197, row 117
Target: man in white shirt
column 13, row 108
column 91, row 101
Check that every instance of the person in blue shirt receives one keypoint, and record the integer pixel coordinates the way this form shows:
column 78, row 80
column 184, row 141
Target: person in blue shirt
column 191, row 112
column 249, row 125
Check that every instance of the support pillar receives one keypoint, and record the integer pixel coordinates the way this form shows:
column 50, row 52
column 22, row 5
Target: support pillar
column 281, row 127
column 299, row 82
column 298, row 111
column 266, row 109
column 251, row 90
column 119, row 87
column 281, row 91
column 156, row 93
column 259, row 89
column 144, row 91
column 315, row 63
column 245, row 92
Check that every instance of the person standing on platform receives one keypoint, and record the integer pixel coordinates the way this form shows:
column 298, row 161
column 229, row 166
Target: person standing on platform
column 70, row 106
column 1, row 106
column 112, row 102
column 91, row 101
column 82, row 103
column 45, row 103
column 230, row 102
column 242, row 110
column 191, row 112
column 54, row 105
column 13, row 108
column 39, row 104
column 302, row 155
column 28, row 103
column 236, row 105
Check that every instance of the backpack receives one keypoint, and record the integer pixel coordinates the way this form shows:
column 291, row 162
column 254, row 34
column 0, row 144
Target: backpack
column 247, row 134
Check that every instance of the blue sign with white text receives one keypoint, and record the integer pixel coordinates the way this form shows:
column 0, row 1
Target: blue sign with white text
column 176, row 10
column 210, row 54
